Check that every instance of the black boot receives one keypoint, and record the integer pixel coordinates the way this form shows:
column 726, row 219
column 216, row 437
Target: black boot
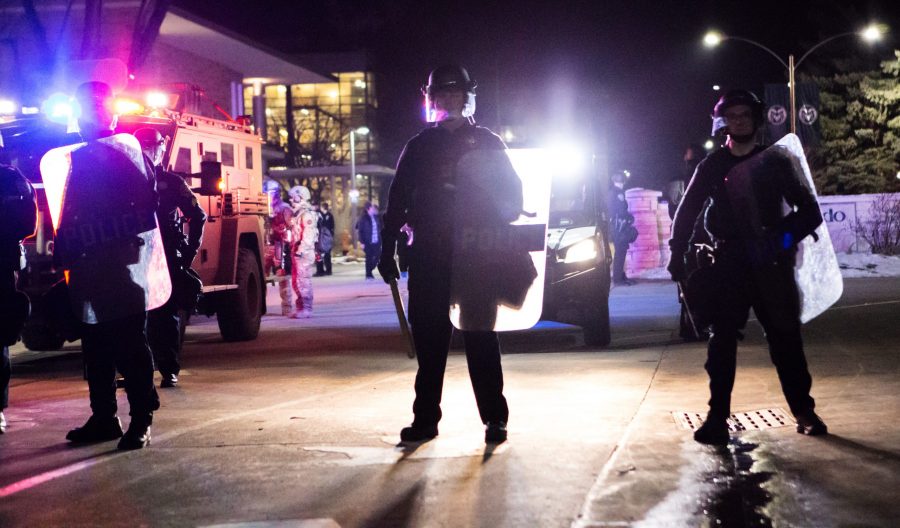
column 96, row 429
column 714, row 431
column 809, row 423
column 417, row 433
column 168, row 380
column 495, row 433
column 137, row 436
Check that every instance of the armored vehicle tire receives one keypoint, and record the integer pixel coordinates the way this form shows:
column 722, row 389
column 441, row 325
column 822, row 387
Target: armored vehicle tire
column 596, row 325
column 240, row 311
column 41, row 337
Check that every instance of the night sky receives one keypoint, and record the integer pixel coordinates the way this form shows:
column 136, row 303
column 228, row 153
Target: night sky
column 635, row 72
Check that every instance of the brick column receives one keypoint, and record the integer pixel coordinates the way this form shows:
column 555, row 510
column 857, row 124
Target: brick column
column 643, row 254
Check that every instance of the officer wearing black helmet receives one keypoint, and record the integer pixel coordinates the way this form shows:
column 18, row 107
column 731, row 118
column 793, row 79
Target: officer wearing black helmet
column 421, row 201
column 621, row 225
column 748, row 271
column 107, row 240
column 18, row 218
column 164, row 323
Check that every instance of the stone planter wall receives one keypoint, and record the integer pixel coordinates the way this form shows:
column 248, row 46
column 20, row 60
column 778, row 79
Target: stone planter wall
column 651, row 249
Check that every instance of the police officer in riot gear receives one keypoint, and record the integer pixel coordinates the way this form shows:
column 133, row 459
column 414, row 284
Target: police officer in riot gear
column 748, row 271
column 421, row 197
column 621, row 225
column 164, row 323
column 110, row 193
column 18, row 218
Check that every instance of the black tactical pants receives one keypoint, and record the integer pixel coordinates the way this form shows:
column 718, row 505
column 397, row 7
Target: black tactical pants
column 120, row 344
column 618, row 267
column 164, row 336
column 429, row 301
column 7, row 285
column 772, row 293
column 5, row 374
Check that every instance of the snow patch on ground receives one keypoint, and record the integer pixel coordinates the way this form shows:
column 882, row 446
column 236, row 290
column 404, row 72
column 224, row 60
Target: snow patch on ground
column 852, row 265
column 868, row 265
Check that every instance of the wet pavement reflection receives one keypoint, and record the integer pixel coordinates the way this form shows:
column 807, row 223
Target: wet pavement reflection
column 736, row 496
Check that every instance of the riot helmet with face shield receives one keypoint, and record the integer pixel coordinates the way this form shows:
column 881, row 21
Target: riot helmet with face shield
column 447, row 80
column 153, row 144
column 734, row 98
column 98, row 115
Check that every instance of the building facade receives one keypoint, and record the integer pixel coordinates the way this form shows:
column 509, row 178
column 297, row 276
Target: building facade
column 324, row 135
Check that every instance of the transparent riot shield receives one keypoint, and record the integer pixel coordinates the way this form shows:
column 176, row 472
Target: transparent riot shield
column 817, row 272
column 502, row 204
column 111, row 249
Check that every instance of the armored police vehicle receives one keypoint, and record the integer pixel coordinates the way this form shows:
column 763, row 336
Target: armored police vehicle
column 220, row 159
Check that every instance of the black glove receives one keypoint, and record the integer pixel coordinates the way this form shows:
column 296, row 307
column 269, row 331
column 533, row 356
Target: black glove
column 387, row 267
column 676, row 267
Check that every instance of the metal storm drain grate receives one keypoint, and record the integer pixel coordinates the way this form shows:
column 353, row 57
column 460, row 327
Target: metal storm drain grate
column 742, row 421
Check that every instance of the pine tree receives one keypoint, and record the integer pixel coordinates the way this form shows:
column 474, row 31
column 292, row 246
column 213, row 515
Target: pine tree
column 860, row 119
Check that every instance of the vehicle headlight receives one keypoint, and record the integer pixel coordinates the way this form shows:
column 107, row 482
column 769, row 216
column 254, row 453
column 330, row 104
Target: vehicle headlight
column 581, row 251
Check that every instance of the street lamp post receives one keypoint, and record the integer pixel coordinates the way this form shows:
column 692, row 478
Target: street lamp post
column 354, row 194
column 871, row 33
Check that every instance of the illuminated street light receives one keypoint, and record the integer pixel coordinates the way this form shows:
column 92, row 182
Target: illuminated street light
column 354, row 194
column 712, row 39
column 716, row 87
column 870, row 33
column 873, row 32
column 709, row 144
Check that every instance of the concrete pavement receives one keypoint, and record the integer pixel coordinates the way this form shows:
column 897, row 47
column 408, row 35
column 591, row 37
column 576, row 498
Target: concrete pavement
column 299, row 427
column 658, row 476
